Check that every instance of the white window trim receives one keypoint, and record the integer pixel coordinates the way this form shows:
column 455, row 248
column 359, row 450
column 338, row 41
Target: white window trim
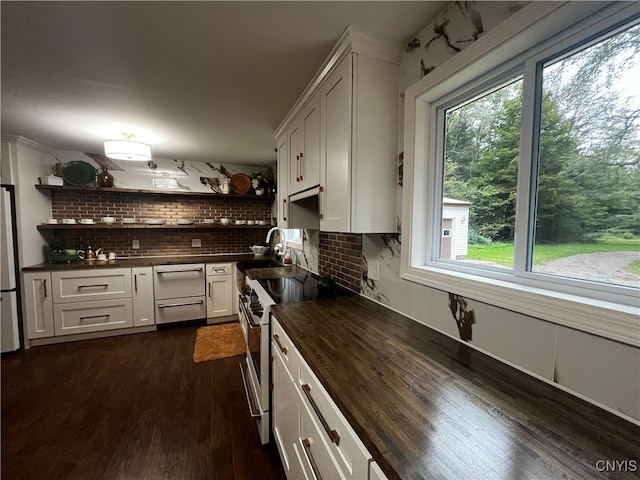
column 530, row 27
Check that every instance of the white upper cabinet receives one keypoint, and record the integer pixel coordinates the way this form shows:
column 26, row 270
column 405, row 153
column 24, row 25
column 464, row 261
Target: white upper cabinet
column 304, row 148
column 359, row 135
column 342, row 136
column 283, row 181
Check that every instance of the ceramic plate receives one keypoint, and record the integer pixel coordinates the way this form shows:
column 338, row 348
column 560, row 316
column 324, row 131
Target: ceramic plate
column 78, row 173
column 240, row 183
column 184, row 221
column 155, row 221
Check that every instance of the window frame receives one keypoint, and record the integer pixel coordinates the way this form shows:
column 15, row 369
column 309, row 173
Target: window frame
column 295, row 244
column 519, row 44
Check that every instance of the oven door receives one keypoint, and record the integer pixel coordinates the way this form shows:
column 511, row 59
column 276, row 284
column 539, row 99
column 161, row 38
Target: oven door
column 254, row 368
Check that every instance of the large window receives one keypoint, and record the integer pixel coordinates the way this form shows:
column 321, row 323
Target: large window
column 532, row 169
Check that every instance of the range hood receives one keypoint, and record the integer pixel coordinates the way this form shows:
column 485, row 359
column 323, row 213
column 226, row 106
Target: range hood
column 304, row 209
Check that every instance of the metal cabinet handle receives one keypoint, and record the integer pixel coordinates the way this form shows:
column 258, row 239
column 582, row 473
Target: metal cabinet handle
column 284, row 209
column 306, row 444
column 199, row 302
column 276, row 337
column 210, row 289
column 135, row 281
column 320, row 195
column 103, row 285
column 180, row 271
column 44, row 286
column 297, row 168
column 301, row 166
column 333, row 434
column 95, row 316
column 255, row 412
column 219, row 269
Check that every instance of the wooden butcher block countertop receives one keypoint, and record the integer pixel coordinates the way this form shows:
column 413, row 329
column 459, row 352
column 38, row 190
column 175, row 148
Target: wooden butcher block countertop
column 147, row 262
column 427, row 406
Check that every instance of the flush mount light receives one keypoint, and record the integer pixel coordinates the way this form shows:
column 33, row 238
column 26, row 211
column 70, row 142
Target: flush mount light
column 127, row 149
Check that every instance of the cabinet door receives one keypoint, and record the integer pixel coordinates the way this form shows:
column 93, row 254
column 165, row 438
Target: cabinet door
column 304, row 148
column 143, row 306
column 282, row 410
column 310, row 156
column 335, row 198
column 375, row 473
column 219, row 296
column 283, row 181
column 38, row 299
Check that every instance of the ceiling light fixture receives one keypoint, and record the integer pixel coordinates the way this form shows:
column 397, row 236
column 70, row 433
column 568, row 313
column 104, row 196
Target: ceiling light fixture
column 127, row 149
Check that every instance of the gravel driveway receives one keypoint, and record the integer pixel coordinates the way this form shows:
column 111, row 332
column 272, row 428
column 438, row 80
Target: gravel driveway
column 604, row 267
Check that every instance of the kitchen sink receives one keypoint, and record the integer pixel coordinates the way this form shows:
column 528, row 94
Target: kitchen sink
column 262, row 263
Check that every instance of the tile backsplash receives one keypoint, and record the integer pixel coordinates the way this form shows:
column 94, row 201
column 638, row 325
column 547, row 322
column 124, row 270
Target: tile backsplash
column 340, row 257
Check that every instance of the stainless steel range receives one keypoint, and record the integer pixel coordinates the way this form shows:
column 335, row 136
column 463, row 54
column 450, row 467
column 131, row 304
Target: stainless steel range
column 254, row 312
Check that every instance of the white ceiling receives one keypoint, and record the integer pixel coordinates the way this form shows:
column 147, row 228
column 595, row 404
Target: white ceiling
column 200, row 81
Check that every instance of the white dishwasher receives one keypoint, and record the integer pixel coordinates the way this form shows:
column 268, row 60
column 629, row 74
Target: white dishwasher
column 179, row 292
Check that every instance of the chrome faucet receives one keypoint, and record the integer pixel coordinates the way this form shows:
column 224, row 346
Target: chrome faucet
column 280, row 248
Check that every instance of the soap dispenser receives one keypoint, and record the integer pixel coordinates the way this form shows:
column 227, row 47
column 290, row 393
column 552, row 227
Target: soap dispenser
column 287, row 257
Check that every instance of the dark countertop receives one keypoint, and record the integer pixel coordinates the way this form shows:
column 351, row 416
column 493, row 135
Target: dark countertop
column 147, row 262
column 427, row 406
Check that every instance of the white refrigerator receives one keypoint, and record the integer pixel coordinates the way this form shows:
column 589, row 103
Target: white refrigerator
column 11, row 338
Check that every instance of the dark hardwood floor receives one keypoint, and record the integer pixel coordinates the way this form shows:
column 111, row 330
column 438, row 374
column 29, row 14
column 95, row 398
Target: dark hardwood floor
column 129, row 407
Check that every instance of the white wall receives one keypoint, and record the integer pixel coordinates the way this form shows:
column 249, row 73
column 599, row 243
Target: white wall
column 28, row 161
column 600, row 370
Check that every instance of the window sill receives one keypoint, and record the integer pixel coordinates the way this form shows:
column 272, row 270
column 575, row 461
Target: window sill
column 606, row 319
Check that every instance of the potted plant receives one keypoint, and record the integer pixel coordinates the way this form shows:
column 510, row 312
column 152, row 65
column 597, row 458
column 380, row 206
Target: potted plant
column 263, row 181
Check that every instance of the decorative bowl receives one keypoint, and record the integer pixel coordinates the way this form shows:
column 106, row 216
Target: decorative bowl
column 225, row 221
column 185, row 221
column 258, row 250
column 108, row 220
column 51, row 180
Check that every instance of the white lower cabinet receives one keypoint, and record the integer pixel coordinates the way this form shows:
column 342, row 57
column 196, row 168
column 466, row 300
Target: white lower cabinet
column 60, row 303
column 282, row 410
column 315, row 453
column 38, row 302
column 220, row 284
column 375, row 473
column 142, row 296
column 96, row 316
column 313, row 437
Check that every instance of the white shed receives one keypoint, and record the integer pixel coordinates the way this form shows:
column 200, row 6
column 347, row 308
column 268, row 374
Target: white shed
column 455, row 229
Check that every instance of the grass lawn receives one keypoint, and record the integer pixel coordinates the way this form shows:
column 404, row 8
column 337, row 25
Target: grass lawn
column 502, row 253
column 634, row 267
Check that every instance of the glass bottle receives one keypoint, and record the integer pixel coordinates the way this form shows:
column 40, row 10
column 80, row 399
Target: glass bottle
column 105, row 179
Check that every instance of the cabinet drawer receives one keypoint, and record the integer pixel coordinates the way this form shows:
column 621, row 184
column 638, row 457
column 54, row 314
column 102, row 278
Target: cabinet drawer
column 312, row 449
column 177, row 281
column 284, row 345
column 181, row 309
column 349, row 452
column 219, row 269
column 83, row 285
column 71, row 318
